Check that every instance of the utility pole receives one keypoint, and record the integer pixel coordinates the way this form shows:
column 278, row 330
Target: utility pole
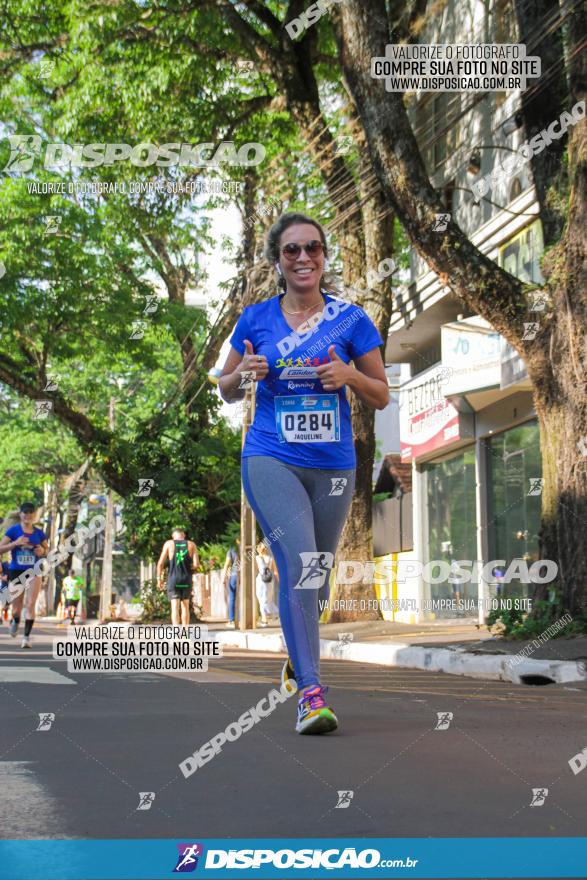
column 54, row 518
column 106, row 586
column 246, row 599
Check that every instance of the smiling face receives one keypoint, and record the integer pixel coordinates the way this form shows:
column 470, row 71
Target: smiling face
column 303, row 273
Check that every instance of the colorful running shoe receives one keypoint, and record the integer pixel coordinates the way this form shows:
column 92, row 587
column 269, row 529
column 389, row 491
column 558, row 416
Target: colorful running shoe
column 314, row 716
column 288, row 677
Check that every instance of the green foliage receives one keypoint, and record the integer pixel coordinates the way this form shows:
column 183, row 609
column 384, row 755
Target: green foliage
column 156, row 605
column 212, row 555
column 518, row 624
column 196, row 483
column 32, row 451
column 510, row 622
column 137, row 73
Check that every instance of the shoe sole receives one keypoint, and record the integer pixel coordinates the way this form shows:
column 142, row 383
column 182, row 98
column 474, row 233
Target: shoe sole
column 319, row 724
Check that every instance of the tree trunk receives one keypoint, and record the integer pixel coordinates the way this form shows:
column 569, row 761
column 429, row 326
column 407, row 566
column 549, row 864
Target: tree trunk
column 395, row 157
column 548, row 168
column 556, row 357
column 560, row 395
column 75, row 488
column 357, row 537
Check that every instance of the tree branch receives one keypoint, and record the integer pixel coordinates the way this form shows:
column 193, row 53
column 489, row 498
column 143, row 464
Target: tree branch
column 266, row 16
column 248, row 33
column 472, row 276
column 114, row 465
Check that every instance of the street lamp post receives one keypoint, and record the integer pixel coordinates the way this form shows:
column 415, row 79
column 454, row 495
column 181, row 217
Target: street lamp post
column 246, row 598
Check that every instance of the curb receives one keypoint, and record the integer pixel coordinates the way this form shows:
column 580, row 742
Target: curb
column 501, row 667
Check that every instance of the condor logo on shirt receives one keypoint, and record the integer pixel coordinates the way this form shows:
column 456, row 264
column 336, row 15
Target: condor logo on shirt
column 299, row 373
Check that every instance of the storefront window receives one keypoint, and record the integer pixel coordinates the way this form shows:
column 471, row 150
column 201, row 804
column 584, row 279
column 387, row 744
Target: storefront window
column 514, row 495
column 452, row 525
column 521, row 254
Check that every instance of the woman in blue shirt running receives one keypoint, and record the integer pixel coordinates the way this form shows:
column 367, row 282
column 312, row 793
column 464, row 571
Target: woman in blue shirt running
column 27, row 544
column 298, row 461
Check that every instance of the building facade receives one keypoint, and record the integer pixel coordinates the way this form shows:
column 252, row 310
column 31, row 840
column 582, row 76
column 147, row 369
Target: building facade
column 467, row 423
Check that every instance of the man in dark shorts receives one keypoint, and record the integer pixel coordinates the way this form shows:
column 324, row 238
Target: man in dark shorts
column 183, row 559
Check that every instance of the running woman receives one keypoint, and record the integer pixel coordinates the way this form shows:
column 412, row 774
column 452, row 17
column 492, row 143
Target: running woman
column 298, row 460
column 183, row 561
column 27, row 544
column 72, row 592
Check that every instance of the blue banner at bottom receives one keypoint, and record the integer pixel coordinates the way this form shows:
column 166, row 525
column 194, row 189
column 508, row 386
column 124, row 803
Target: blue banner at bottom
column 367, row 858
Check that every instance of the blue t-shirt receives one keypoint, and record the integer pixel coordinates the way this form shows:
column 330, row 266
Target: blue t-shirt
column 297, row 421
column 22, row 558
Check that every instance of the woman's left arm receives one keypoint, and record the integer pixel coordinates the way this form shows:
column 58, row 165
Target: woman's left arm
column 368, row 380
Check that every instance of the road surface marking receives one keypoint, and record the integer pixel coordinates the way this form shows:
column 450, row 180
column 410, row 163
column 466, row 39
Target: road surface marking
column 33, row 675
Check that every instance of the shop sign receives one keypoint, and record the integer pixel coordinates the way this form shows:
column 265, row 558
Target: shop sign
column 427, row 420
column 471, row 356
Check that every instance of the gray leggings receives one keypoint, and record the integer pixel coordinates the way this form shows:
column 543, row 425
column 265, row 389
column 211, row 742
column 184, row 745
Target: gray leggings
column 302, row 512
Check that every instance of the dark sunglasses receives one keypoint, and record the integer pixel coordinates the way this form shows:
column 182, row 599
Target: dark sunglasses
column 292, row 250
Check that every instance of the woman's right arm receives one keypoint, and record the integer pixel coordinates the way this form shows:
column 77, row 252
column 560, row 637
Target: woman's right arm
column 9, row 544
column 230, row 381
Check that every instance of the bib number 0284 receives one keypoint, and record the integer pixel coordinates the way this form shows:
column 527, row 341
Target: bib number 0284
column 308, row 418
column 308, row 421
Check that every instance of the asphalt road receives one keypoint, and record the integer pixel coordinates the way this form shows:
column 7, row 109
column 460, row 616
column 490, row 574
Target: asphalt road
column 116, row 735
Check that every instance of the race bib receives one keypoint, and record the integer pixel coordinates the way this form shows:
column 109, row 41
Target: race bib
column 24, row 558
column 307, row 418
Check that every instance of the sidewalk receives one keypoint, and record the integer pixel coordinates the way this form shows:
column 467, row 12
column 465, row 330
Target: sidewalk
column 459, row 647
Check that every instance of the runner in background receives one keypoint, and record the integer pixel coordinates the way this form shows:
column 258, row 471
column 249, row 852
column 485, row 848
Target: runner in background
column 9, row 520
column 183, row 559
column 298, row 460
column 72, row 592
column 26, row 544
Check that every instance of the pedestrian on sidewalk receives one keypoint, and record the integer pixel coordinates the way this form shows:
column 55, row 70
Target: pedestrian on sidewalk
column 265, row 584
column 298, row 460
column 26, row 543
column 230, row 580
column 183, row 559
